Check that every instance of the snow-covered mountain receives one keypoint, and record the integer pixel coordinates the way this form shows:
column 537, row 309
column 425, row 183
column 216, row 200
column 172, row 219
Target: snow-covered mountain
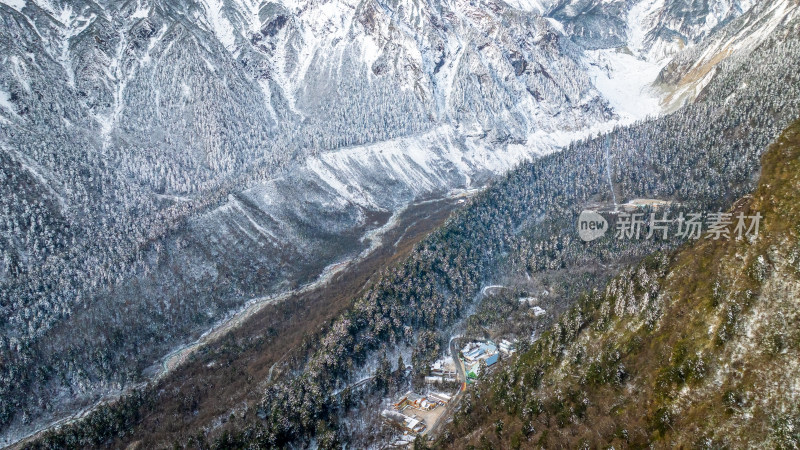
column 164, row 161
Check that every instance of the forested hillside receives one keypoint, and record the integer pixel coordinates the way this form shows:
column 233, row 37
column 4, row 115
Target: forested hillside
column 693, row 348
column 130, row 131
column 126, row 126
column 703, row 157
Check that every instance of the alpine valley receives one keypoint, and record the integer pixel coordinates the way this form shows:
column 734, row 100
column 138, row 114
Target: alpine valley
column 247, row 224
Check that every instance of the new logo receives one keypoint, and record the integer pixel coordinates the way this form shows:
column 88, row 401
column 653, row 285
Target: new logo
column 591, row 226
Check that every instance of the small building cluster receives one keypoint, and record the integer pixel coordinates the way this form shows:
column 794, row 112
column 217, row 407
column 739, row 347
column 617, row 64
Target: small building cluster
column 532, row 301
column 414, row 400
column 441, row 371
column 421, row 402
column 411, row 424
column 643, row 203
column 474, row 353
column 633, row 205
column 440, row 397
column 414, row 413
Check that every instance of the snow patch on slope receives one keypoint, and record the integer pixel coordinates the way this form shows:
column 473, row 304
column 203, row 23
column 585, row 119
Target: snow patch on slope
column 16, row 4
column 250, row 11
column 384, row 176
column 558, row 26
column 421, row 165
column 625, row 82
column 642, row 18
column 142, row 12
column 219, row 23
column 5, row 102
column 537, row 6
